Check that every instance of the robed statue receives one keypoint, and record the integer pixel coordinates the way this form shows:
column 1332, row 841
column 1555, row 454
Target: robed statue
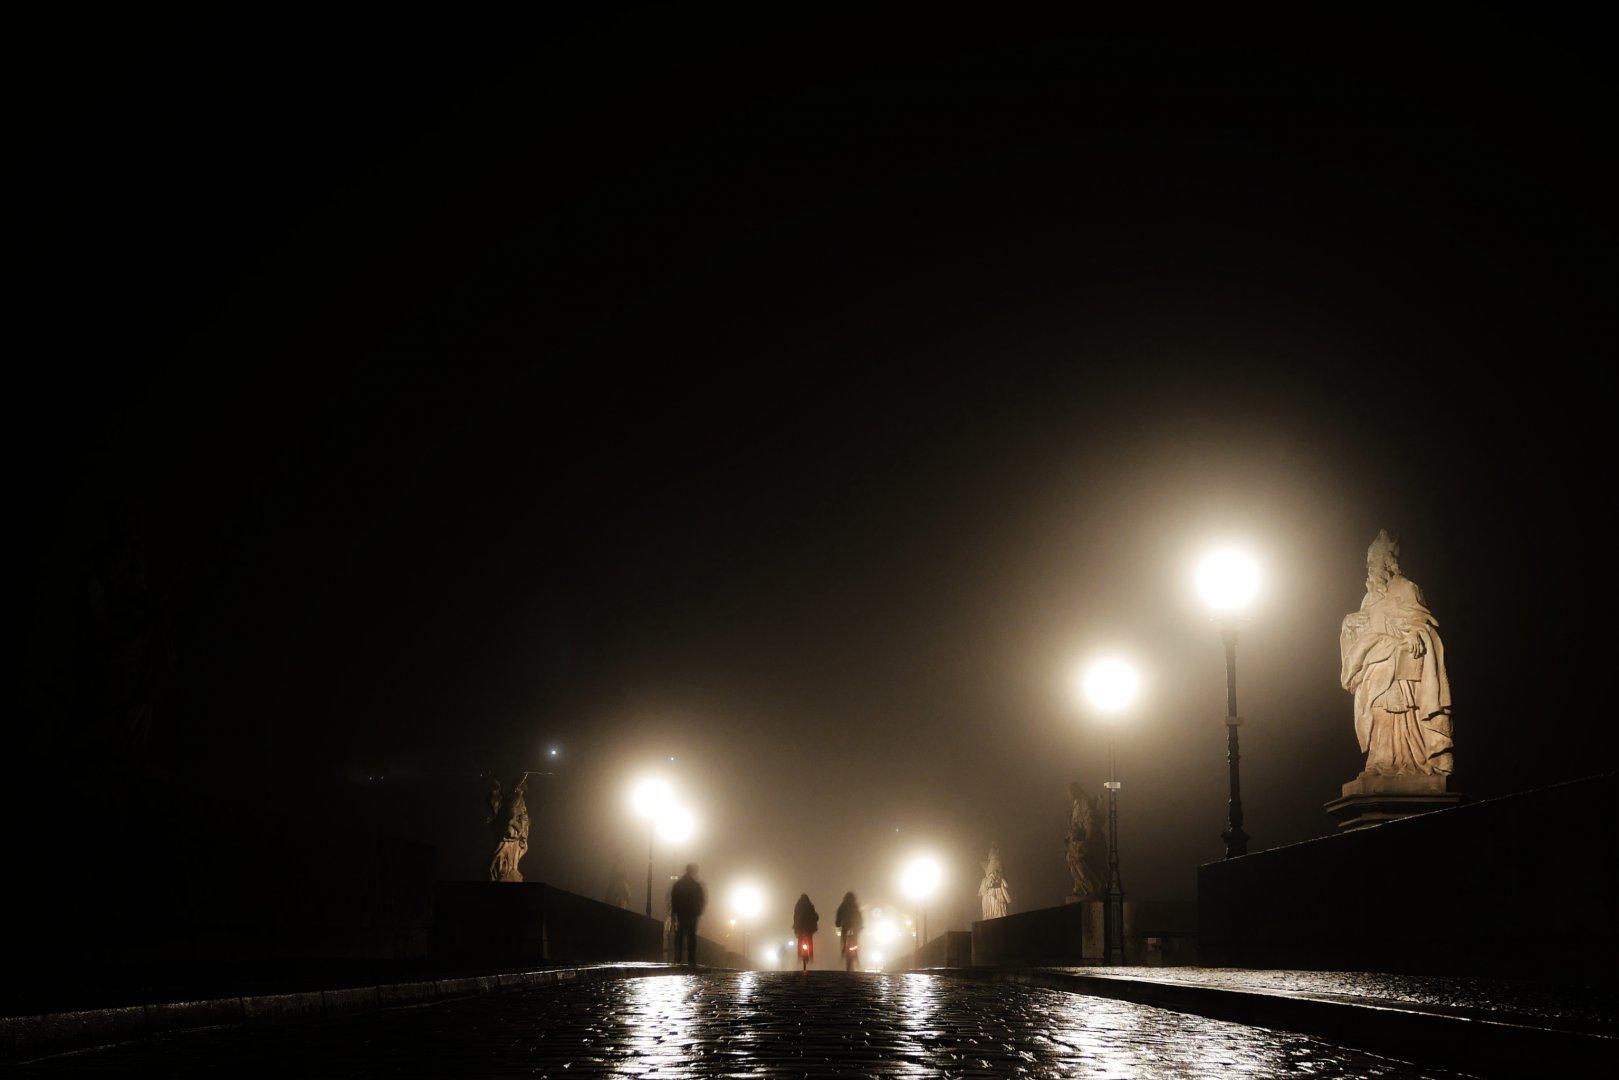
column 993, row 892
column 1087, row 853
column 508, row 814
column 1394, row 664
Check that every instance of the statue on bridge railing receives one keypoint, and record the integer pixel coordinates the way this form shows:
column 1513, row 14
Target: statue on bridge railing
column 508, row 812
column 1087, row 847
column 1394, row 664
column 993, row 892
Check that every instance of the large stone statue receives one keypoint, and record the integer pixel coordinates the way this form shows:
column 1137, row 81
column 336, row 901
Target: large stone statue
column 1394, row 665
column 1087, row 854
column 509, row 814
column 993, row 892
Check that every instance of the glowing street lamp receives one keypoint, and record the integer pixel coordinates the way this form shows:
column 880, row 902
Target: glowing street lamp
column 1227, row 580
column 747, row 901
column 653, row 801
column 918, row 881
column 677, row 825
column 651, row 797
column 1111, row 686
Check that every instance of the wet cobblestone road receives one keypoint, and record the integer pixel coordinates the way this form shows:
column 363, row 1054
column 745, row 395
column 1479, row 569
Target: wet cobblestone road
column 750, row 1024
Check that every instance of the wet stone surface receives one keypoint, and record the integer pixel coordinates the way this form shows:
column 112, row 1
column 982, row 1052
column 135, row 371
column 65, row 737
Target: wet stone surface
column 1572, row 1002
column 750, row 1024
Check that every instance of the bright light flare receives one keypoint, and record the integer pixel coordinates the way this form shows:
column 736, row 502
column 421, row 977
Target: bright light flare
column 1110, row 684
column 876, row 959
column 677, row 825
column 747, row 901
column 1227, row 580
column 884, row 932
column 651, row 798
column 920, row 877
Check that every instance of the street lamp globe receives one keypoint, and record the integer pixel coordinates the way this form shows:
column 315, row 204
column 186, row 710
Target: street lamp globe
column 1227, row 580
column 747, row 901
column 677, row 825
column 651, row 798
column 1111, row 685
column 920, row 877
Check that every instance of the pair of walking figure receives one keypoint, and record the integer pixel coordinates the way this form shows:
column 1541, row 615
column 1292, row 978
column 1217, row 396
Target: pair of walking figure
column 848, row 921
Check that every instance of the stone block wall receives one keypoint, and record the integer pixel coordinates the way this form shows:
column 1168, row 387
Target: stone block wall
column 516, row 923
column 1155, row 932
column 1520, row 884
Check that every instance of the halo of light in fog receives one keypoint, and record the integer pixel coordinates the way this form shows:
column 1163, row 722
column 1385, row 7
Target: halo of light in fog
column 920, row 877
column 747, row 901
column 1227, row 580
column 876, row 959
column 884, row 931
column 1110, row 684
column 651, row 798
column 677, row 825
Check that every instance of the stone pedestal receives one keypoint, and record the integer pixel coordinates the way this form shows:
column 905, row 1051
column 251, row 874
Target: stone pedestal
column 1370, row 799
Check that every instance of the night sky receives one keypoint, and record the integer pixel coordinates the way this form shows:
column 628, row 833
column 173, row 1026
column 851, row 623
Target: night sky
column 806, row 406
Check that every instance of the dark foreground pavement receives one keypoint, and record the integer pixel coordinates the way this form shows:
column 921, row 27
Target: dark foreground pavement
column 752, row 1023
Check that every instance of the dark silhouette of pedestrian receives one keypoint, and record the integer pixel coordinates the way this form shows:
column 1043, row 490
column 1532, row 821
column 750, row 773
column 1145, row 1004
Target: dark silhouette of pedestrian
column 805, row 923
column 849, row 922
column 687, row 900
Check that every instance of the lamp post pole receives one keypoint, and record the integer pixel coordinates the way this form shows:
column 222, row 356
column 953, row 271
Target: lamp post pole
column 1113, row 912
column 1236, row 841
column 650, row 832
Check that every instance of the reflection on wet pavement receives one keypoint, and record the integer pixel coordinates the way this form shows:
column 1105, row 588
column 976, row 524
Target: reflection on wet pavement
column 754, row 1024
column 1568, row 1001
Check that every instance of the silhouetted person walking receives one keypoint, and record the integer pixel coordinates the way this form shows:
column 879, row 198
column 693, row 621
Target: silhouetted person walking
column 805, row 923
column 849, row 922
column 687, row 899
